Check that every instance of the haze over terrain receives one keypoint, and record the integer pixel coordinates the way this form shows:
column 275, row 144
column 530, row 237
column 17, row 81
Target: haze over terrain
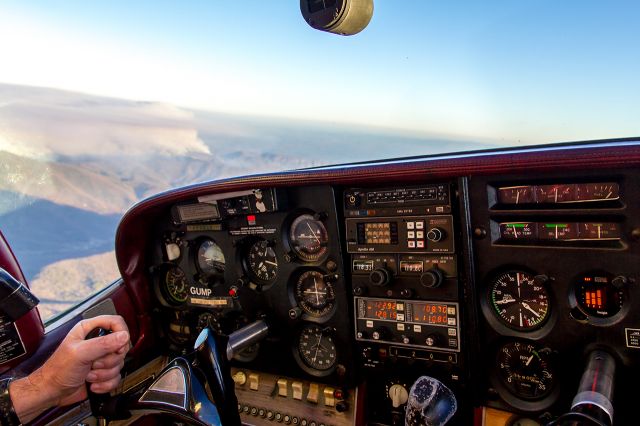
column 71, row 164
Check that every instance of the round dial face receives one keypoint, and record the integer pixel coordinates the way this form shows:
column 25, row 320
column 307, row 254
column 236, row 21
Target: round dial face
column 308, row 238
column 316, row 348
column 315, row 296
column 262, row 261
column 525, row 370
column 210, row 258
column 176, row 286
column 518, row 301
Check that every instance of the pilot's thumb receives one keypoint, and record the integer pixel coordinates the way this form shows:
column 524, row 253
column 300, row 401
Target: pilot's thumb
column 95, row 348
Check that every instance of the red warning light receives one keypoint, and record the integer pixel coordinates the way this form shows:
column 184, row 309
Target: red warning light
column 251, row 219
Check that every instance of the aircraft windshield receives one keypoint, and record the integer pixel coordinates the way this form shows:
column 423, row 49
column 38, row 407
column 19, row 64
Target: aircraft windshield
column 105, row 103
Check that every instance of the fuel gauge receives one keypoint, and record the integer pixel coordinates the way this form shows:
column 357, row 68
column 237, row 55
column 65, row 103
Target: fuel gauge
column 597, row 191
column 516, row 195
column 564, row 193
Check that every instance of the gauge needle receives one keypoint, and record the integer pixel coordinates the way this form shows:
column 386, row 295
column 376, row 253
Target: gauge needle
column 528, row 360
column 515, row 231
column 313, row 233
column 556, row 198
column 268, row 262
column 315, row 284
column 526, row 306
column 521, row 325
column 517, row 197
column 317, row 348
column 518, row 279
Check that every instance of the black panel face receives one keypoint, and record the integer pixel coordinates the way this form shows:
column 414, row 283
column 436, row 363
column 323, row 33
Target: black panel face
column 498, row 286
column 556, row 270
column 283, row 265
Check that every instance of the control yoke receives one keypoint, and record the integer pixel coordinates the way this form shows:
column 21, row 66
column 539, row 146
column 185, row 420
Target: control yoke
column 199, row 391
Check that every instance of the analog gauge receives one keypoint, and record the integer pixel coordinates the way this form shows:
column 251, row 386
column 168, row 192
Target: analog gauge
column 175, row 285
column 210, row 258
column 317, row 349
column 314, row 294
column 519, row 301
column 555, row 193
column 525, row 370
column 308, row 238
column 516, row 195
column 598, row 191
column 262, row 262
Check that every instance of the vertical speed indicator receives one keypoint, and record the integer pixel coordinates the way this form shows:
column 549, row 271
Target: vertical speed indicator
column 519, row 301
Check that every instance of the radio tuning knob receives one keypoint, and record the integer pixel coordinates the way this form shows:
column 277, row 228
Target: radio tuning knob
column 379, row 334
column 432, row 339
column 436, row 234
column 380, row 277
column 432, row 278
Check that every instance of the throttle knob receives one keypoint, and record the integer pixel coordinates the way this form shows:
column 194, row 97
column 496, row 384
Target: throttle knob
column 436, row 234
column 380, row 277
column 432, row 278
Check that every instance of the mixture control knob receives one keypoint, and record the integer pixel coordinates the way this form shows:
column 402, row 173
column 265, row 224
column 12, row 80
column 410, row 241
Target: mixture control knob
column 432, row 278
column 380, row 277
column 436, row 234
column 398, row 394
column 406, row 339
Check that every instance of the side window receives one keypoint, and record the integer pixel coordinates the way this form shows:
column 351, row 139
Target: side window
column 66, row 252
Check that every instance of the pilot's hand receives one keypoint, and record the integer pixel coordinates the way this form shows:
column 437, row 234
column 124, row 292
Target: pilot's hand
column 97, row 361
column 61, row 380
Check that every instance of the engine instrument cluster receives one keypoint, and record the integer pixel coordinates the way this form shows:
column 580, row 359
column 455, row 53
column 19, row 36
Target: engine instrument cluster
column 555, row 261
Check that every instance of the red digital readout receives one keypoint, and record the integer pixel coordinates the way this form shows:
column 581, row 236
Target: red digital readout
column 428, row 313
column 381, row 309
column 595, row 299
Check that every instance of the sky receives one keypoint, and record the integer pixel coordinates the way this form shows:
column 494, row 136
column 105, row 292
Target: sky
column 511, row 72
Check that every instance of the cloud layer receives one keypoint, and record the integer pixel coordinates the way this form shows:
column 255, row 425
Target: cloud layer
column 44, row 123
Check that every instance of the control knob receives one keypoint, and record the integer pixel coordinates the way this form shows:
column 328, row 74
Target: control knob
column 379, row 334
column 432, row 278
column 399, row 395
column 436, row 234
column 380, row 277
column 432, row 340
